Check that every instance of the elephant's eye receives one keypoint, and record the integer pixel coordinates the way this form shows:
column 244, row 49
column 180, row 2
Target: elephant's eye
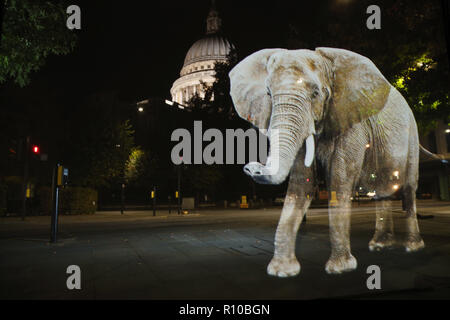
column 315, row 93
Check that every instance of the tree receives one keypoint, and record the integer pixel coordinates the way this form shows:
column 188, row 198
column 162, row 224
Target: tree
column 106, row 156
column 141, row 168
column 32, row 30
column 202, row 179
column 217, row 100
column 409, row 49
column 101, row 141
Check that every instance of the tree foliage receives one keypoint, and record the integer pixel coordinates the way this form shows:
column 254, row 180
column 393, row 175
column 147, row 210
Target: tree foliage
column 101, row 141
column 409, row 49
column 32, row 30
column 106, row 156
column 202, row 179
column 112, row 152
column 140, row 168
column 217, row 100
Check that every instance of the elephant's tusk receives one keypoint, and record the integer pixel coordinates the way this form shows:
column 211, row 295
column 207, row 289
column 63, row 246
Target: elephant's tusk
column 309, row 157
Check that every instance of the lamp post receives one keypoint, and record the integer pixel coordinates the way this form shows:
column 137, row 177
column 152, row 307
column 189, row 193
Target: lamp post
column 182, row 107
column 140, row 110
column 179, row 188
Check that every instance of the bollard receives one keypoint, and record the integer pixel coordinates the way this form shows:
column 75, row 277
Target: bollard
column 170, row 205
column 55, row 199
column 154, row 200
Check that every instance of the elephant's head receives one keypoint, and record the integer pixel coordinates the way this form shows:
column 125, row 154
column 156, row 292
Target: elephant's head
column 296, row 94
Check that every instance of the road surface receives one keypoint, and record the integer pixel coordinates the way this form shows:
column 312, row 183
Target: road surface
column 213, row 254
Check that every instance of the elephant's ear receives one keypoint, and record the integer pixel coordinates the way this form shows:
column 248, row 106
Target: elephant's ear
column 248, row 88
column 359, row 89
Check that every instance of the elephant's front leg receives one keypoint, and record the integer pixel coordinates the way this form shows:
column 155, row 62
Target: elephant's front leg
column 298, row 198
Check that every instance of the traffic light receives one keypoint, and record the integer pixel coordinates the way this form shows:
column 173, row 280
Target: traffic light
column 35, row 149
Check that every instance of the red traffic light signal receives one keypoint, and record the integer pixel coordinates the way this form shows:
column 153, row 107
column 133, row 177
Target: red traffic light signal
column 35, row 149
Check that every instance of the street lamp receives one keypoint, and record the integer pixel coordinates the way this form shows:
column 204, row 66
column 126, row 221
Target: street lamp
column 171, row 103
column 140, row 103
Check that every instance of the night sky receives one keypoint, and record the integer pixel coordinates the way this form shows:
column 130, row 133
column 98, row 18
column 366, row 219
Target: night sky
column 137, row 48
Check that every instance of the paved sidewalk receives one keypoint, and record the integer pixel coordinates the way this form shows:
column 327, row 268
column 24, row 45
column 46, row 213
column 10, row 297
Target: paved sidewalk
column 135, row 215
column 213, row 254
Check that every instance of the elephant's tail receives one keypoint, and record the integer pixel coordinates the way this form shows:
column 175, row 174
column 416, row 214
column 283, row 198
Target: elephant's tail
column 432, row 155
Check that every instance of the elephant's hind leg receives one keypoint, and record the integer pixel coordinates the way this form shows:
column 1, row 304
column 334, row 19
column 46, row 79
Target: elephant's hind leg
column 346, row 165
column 413, row 241
column 341, row 260
column 384, row 227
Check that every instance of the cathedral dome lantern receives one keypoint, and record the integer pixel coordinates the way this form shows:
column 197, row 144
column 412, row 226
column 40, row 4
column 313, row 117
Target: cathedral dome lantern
column 199, row 62
column 213, row 21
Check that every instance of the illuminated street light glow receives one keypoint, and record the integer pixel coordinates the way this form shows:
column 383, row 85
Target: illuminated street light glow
column 140, row 109
column 447, row 131
column 171, row 103
column 367, row 145
column 142, row 102
column 395, row 187
column 395, row 174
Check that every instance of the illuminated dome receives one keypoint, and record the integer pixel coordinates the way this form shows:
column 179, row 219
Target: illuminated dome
column 199, row 63
column 212, row 47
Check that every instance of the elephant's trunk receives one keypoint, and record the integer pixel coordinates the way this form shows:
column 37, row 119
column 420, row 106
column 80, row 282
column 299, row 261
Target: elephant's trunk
column 291, row 123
